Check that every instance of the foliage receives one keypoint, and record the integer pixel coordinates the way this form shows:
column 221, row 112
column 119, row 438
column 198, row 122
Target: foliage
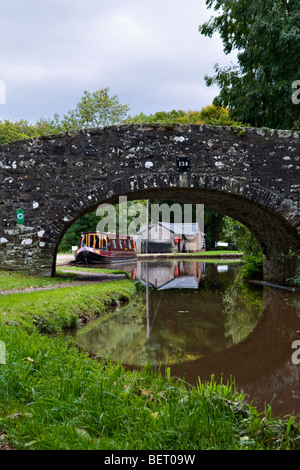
column 12, row 131
column 49, row 126
column 296, row 279
column 266, row 34
column 96, row 109
column 212, row 224
column 236, row 233
column 19, row 130
column 253, row 268
column 218, row 116
column 86, row 223
column 210, row 115
column 243, row 306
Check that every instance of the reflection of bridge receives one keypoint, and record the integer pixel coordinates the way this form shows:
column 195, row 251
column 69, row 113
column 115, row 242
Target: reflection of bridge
column 170, row 274
column 252, row 177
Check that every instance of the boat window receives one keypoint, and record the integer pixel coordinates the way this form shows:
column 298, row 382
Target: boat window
column 129, row 244
column 114, row 243
column 120, row 243
column 92, row 241
column 104, row 243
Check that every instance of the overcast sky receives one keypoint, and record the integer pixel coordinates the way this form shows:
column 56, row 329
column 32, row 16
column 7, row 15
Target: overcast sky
column 149, row 53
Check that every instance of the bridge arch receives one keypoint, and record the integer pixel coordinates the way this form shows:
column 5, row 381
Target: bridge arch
column 252, row 176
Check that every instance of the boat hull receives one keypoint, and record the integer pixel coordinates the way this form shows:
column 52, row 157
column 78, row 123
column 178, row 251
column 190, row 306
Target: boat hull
column 92, row 257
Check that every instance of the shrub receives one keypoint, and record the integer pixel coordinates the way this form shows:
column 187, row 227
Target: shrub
column 253, row 268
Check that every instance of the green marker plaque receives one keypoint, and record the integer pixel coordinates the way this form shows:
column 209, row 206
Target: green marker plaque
column 20, row 216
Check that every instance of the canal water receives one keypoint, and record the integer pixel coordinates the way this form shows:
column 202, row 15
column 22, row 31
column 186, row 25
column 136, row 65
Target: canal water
column 200, row 319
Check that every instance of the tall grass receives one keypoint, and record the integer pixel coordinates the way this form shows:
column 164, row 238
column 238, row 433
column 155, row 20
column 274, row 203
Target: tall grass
column 55, row 397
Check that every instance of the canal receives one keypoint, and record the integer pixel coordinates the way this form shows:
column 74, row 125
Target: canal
column 199, row 319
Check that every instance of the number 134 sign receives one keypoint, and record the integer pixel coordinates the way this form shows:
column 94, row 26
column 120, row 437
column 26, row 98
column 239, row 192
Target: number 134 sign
column 183, row 164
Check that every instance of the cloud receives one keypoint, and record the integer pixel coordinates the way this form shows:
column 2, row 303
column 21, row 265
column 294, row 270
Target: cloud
column 148, row 53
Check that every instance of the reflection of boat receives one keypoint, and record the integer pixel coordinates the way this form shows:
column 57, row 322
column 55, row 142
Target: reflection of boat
column 104, row 248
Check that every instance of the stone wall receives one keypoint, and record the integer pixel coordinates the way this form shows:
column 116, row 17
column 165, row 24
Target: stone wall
column 252, row 175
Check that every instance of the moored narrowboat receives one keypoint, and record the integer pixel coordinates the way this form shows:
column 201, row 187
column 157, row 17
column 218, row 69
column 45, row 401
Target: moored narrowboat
column 99, row 248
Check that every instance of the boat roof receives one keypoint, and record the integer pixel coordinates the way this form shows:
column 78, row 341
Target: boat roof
column 108, row 234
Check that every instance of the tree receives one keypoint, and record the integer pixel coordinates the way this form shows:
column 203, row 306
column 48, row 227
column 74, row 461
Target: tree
column 266, row 34
column 96, row 109
column 87, row 223
column 18, row 130
column 234, row 232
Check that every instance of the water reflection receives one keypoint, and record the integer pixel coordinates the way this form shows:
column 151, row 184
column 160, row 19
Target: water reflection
column 170, row 274
column 200, row 319
column 172, row 320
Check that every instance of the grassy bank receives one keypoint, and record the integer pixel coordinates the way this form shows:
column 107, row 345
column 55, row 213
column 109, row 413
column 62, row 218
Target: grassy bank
column 61, row 309
column 53, row 396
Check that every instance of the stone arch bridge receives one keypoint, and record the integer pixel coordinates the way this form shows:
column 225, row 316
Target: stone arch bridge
column 252, row 175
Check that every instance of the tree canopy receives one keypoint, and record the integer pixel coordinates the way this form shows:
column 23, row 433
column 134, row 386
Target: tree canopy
column 266, row 34
column 97, row 109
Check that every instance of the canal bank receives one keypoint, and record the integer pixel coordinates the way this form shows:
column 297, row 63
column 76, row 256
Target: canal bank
column 54, row 396
column 205, row 255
